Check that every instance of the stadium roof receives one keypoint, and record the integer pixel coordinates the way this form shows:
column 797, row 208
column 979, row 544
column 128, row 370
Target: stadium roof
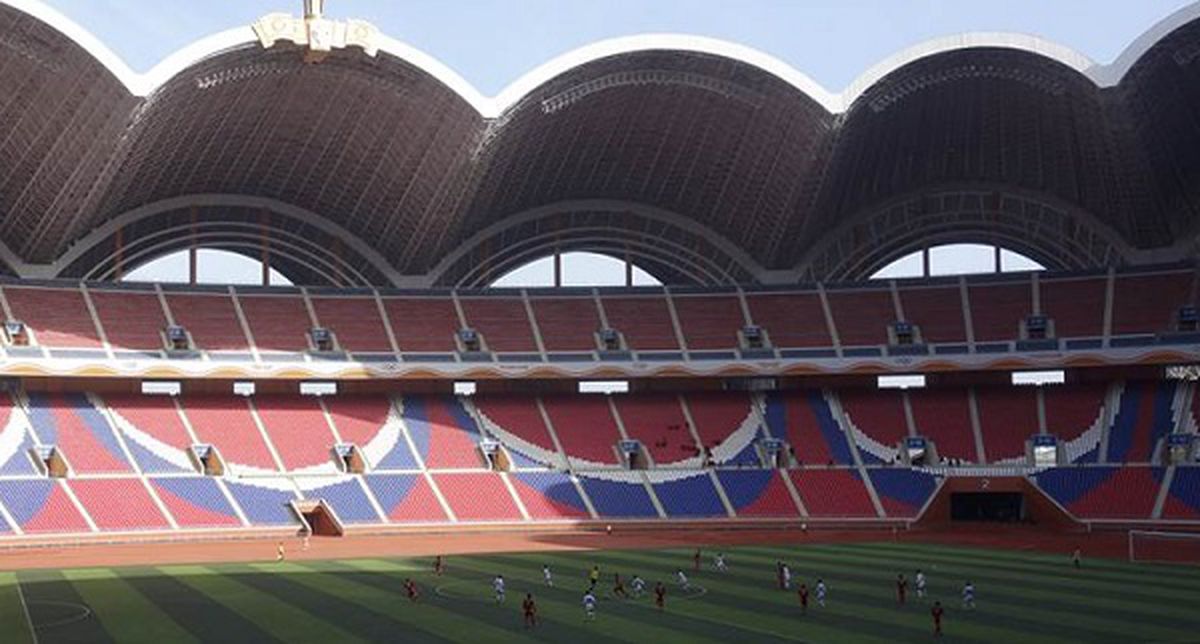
column 704, row 161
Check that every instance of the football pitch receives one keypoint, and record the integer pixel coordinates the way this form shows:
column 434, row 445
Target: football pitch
column 1022, row 597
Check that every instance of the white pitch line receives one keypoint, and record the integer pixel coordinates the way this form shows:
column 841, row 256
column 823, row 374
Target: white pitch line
column 25, row 607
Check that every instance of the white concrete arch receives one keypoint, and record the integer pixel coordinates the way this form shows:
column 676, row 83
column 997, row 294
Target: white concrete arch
column 1102, row 75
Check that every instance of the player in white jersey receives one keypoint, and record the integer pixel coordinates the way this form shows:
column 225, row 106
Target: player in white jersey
column 786, row 571
column 821, row 593
column 682, row 579
column 589, row 606
column 719, row 562
column 638, row 585
column 968, row 595
column 547, row 576
column 919, row 582
column 498, row 586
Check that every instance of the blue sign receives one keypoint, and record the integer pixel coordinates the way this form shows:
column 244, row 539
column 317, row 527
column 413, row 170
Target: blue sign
column 915, row 442
column 1045, row 440
column 1180, row 440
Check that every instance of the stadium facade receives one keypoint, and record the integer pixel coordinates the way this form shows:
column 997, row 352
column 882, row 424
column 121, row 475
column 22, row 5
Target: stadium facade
column 392, row 388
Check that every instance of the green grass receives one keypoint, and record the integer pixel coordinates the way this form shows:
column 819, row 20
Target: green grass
column 1022, row 597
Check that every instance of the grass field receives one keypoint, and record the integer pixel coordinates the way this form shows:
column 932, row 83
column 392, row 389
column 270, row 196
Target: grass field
column 1022, row 597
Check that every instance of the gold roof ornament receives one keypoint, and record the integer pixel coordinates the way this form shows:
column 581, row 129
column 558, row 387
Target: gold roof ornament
column 318, row 34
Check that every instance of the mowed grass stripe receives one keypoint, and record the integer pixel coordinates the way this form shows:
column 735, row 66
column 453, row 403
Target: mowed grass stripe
column 57, row 610
column 204, row 617
column 1082, row 596
column 742, row 611
column 14, row 625
column 1048, row 568
column 352, row 610
column 458, row 622
column 1007, row 603
column 856, row 611
column 273, row 615
column 124, row 612
column 1167, row 572
column 608, row 622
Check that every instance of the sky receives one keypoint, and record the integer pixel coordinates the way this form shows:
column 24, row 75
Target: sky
column 491, row 43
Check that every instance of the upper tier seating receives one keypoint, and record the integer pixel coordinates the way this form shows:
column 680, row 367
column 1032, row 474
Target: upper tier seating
column 644, row 320
column 717, row 415
column 79, row 430
column 657, row 421
column 567, row 323
column 1150, row 303
column 791, row 319
column 119, row 504
column 355, row 322
column 132, row 320
column 225, row 421
column 1104, row 492
column 423, row 324
column 1073, row 408
column 297, row 428
column 709, row 322
column 758, row 493
column 210, row 319
column 944, row 416
column 833, row 493
column 503, row 321
column 1143, row 418
column 862, row 317
column 1075, row 305
column 937, row 310
column 1008, row 416
column 478, row 496
column 585, row 427
column 998, row 309
column 277, row 322
column 57, row 317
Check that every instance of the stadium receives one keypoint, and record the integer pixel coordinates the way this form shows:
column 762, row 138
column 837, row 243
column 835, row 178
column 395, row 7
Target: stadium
column 783, row 379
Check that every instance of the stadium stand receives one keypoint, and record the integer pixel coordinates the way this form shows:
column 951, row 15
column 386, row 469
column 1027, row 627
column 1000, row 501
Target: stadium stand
column 58, row 317
column 195, row 501
column 1076, row 305
column 657, row 421
column 903, row 492
column 1150, row 303
column 619, row 495
column 1183, row 498
column 355, row 322
column 297, row 428
column 709, row 322
column 406, row 498
column 131, row 320
column 944, row 416
column 423, row 324
column 687, row 495
column 549, row 495
column 73, row 425
column 833, row 493
column 644, row 320
column 519, row 425
column 997, row 309
column 758, row 493
column 41, row 506
column 277, row 322
column 877, row 413
column 445, row 436
column 503, row 321
column 344, row 494
column 477, row 496
column 790, row 319
column 210, row 319
column 118, row 504
column 804, row 420
column 727, row 426
column 226, row 422
column 585, row 426
column 153, row 431
column 862, row 316
column 1143, row 418
column 938, row 312
column 567, row 323
column 1103, row 492
column 265, row 501
column 1008, row 416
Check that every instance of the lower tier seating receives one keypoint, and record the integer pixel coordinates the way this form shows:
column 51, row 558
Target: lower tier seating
column 119, row 504
column 758, row 493
column 478, row 496
column 903, row 492
column 833, row 493
column 1104, row 492
column 687, row 496
column 549, row 495
column 1183, row 498
column 619, row 495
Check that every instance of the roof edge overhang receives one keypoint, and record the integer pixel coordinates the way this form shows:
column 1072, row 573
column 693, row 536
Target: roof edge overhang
column 142, row 84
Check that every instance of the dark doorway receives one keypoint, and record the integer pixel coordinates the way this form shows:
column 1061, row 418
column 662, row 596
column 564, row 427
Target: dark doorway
column 987, row 506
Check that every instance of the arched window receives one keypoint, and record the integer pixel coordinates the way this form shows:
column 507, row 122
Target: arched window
column 576, row 269
column 957, row 259
column 213, row 266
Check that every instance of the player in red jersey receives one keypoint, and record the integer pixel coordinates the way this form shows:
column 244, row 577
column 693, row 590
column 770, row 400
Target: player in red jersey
column 803, row 593
column 937, row 611
column 696, row 561
column 439, row 566
column 901, row 588
column 660, row 595
column 410, row 588
column 619, row 587
column 529, row 608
